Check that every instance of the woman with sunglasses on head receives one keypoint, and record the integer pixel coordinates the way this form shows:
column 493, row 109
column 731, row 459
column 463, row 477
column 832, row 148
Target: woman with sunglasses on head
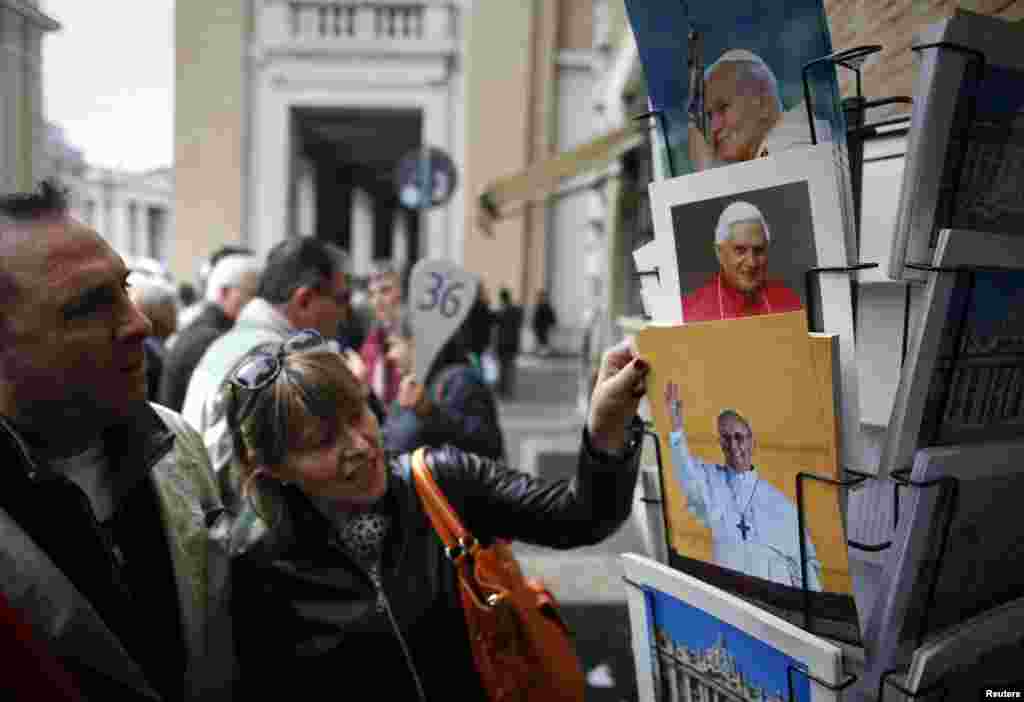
column 337, row 571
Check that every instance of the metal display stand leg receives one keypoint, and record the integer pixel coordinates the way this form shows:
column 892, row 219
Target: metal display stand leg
column 941, row 683
column 790, row 669
column 858, row 478
column 810, row 285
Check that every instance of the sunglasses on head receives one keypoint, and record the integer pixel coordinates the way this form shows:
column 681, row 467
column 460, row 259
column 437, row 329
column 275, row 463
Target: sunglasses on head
column 262, row 368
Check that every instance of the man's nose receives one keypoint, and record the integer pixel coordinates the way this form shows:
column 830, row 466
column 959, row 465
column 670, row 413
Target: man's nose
column 134, row 323
column 716, row 122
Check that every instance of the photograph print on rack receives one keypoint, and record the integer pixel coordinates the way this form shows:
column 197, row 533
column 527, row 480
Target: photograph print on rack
column 741, row 240
column 736, row 263
column 743, row 95
column 962, row 380
column 965, row 151
column 700, row 651
column 693, row 641
column 748, row 407
column 977, row 389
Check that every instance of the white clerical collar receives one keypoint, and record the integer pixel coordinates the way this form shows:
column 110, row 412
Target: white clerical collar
column 744, row 477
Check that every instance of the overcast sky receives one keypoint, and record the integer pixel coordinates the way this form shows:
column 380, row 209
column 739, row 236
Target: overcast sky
column 108, row 78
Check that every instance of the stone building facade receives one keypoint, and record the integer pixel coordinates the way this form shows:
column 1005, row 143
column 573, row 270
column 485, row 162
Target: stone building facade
column 22, row 125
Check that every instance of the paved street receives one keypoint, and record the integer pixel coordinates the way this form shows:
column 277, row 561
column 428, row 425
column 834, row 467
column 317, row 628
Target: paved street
column 542, row 430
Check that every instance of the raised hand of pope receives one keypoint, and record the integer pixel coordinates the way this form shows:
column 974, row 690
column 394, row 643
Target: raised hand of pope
column 621, row 382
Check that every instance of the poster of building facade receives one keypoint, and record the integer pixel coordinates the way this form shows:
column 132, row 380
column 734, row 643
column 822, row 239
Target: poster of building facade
column 951, row 550
column 966, row 140
column 962, row 380
column 741, row 407
column 693, row 642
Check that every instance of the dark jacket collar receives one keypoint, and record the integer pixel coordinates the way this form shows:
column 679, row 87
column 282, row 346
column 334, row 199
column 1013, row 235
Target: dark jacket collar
column 134, row 447
column 213, row 316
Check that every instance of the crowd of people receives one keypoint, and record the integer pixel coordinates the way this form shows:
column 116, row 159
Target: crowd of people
column 243, row 520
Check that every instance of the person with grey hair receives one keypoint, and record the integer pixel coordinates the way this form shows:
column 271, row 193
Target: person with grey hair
column 741, row 287
column 744, row 113
column 230, row 286
column 753, row 525
column 158, row 300
column 304, row 285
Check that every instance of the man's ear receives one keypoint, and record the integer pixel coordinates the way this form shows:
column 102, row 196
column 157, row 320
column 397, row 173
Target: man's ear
column 302, row 296
column 718, row 253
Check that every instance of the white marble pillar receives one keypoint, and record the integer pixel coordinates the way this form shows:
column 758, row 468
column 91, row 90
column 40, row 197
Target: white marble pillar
column 399, row 239
column 305, row 197
column 361, row 233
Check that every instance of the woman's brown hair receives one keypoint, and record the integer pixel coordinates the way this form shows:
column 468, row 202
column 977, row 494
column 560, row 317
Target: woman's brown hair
column 314, row 389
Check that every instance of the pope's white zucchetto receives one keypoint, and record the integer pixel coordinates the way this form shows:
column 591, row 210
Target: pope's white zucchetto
column 739, row 211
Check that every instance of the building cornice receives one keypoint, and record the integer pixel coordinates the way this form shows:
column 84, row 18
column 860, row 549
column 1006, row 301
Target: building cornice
column 366, row 48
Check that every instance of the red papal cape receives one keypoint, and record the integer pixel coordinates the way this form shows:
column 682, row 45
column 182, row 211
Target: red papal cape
column 719, row 300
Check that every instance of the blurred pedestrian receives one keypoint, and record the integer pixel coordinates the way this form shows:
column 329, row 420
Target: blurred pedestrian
column 510, row 325
column 158, row 300
column 189, row 313
column 337, row 572
column 304, row 284
column 354, row 329
column 230, row 286
column 106, row 501
column 455, row 384
column 543, row 320
column 413, row 418
column 385, row 287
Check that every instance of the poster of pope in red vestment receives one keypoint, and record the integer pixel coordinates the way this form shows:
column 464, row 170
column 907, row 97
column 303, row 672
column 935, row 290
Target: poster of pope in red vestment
column 744, row 238
column 746, row 283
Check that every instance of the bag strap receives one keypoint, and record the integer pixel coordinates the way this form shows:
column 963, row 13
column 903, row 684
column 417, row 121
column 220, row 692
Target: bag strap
column 446, row 522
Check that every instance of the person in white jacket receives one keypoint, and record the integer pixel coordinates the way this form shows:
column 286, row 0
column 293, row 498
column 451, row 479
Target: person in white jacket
column 753, row 525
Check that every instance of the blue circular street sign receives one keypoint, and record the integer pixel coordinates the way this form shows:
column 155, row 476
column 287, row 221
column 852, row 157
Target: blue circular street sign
column 425, row 178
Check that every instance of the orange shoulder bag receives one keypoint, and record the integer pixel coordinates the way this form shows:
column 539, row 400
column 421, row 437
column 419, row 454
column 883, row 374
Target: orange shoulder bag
column 522, row 648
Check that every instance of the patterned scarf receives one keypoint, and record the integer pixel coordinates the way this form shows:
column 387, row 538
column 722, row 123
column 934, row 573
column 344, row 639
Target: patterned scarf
column 362, row 536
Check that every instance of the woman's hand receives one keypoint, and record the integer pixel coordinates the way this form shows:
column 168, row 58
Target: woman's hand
column 621, row 382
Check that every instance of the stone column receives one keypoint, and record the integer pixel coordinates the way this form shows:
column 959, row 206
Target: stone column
column 400, row 239
column 361, row 243
column 305, row 197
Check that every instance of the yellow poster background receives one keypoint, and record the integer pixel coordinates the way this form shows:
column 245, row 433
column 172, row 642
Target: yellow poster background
column 782, row 380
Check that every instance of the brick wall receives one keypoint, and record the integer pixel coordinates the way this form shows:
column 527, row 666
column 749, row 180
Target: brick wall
column 893, row 24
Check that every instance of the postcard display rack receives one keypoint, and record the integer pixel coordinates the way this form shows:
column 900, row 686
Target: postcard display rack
column 974, row 254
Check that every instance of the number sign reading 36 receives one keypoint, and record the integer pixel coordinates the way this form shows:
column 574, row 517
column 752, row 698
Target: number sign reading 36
column 441, row 295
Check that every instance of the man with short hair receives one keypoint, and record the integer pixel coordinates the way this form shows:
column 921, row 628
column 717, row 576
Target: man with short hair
column 230, row 286
column 741, row 287
column 745, row 115
column 106, row 501
column 304, row 285
column 753, row 525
